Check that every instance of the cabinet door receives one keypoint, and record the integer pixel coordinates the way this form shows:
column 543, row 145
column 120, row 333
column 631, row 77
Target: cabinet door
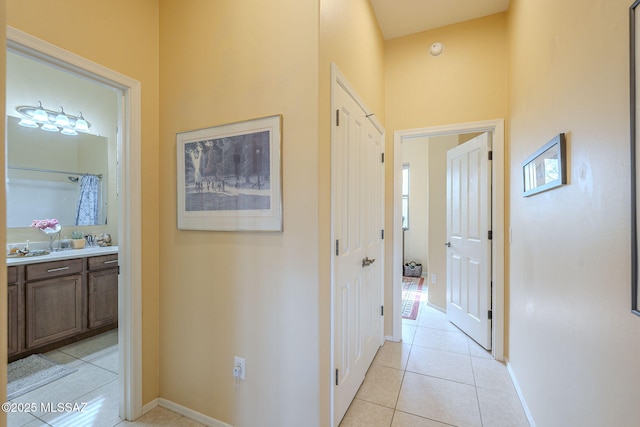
column 53, row 309
column 102, row 297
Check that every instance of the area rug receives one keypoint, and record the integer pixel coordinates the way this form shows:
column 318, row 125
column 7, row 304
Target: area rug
column 31, row 373
column 411, row 290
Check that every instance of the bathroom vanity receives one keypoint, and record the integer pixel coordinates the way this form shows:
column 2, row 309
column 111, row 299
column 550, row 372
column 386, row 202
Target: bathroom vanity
column 60, row 298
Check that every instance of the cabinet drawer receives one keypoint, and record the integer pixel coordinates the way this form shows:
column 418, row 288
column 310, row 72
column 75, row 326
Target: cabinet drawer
column 12, row 275
column 53, row 269
column 102, row 261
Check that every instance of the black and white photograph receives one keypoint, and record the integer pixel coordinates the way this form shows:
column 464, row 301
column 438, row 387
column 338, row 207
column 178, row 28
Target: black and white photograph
column 229, row 177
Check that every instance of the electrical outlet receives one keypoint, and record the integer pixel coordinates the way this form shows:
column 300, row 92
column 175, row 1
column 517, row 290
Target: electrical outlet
column 238, row 367
column 433, row 278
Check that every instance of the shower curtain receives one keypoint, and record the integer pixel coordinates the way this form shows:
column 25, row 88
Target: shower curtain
column 87, row 213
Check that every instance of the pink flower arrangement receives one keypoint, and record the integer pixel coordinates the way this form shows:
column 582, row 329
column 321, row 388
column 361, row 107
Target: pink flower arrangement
column 43, row 224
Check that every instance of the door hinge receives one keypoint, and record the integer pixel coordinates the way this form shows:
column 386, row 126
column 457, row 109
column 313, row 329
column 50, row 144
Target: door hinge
column 382, row 310
column 338, row 117
column 337, row 247
column 490, row 235
column 337, row 377
column 382, row 234
column 490, row 155
column 490, row 314
column 382, row 157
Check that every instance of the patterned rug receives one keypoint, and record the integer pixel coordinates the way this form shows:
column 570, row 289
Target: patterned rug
column 411, row 290
column 32, row 372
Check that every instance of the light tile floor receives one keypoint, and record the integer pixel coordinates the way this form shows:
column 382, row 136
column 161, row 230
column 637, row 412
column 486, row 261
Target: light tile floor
column 94, row 383
column 436, row 376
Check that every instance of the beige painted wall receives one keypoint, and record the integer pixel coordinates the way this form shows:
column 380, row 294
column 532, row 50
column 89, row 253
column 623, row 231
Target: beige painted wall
column 573, row 341
column 3, row 207
column 438, row 147
column 350, row 37
column 250, row 294
column 415, row 152
column 123, row 36
column 468, row 82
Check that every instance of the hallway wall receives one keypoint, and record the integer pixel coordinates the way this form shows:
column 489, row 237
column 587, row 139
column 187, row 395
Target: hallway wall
column 247, row 294
column 573, row 342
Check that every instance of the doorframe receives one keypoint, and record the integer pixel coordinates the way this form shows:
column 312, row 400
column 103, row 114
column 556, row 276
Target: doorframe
column 129, row 230
column 497, row 220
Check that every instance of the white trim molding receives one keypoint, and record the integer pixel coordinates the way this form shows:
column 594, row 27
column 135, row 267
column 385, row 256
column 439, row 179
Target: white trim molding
column 520, row 395
column 191, row 414
column 129, row 232
column 498, row 221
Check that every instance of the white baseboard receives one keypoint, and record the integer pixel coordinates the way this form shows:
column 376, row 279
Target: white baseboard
column 184, row 411
column 520, row 396
column 150, row 406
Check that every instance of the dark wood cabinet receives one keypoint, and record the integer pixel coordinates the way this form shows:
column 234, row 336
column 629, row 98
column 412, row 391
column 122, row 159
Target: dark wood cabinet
column 53, row 309
column 15, row 311
column 51, row 304
column 102, row 287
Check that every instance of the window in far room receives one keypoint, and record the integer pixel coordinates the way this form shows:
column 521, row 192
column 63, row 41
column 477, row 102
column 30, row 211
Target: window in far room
column 405, row 196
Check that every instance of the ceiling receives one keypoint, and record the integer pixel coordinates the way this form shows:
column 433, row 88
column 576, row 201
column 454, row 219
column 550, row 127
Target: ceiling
column 402, row 17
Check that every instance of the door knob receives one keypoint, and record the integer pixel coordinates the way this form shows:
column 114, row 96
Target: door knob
column 367, row 262
column 448, row 244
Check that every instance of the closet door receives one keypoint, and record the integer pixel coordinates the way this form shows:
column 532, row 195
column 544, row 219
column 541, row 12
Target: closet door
column 357, row 210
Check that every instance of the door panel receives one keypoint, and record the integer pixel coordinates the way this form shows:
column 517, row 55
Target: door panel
column 357, row 212
column 469, row 246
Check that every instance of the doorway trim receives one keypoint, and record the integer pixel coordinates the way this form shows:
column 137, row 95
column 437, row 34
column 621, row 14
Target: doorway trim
column 129, row 230
column 497, row 219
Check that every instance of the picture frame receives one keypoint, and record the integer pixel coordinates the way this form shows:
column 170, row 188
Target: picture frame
column 229, row 177
column 634, row 70
column 546, row 168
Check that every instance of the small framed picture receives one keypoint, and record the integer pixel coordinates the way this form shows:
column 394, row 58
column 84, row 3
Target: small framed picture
column 229, row 177
column 546, row 168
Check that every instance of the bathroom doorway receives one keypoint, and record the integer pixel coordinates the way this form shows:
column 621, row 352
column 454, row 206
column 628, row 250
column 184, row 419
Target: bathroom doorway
column 120, row 122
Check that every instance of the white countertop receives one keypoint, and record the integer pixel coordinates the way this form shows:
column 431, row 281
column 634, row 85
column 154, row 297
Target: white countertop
column 64, row 254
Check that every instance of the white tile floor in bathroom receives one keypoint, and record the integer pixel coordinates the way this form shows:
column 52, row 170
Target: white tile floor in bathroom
column 95, row 383
column 436, row 376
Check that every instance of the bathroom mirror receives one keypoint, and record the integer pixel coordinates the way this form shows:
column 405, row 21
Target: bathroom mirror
column 46, row 172
column 34, row 194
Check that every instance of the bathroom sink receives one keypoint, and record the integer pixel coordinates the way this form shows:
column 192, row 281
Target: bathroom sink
column 29, row 254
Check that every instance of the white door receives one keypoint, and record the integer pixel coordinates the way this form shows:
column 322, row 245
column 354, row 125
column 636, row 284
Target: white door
column 357, row 211
column 468, row 238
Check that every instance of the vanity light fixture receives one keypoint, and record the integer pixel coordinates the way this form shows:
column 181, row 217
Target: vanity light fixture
column 52, row 121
